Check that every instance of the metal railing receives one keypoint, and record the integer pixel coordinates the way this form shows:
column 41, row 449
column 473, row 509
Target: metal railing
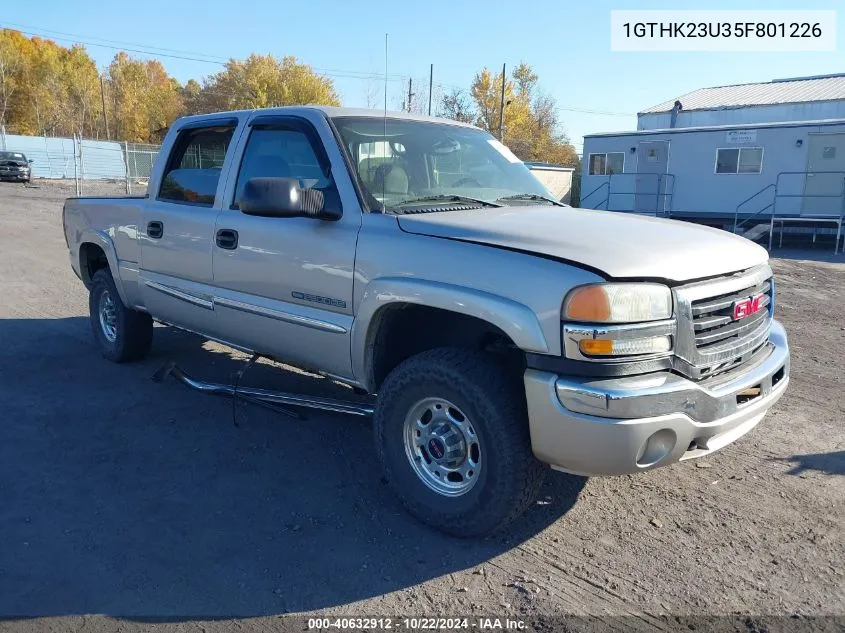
column 772, row 216
column 756, row 213
column 663, row 192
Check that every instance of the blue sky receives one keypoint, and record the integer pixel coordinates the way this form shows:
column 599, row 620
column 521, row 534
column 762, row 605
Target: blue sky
column 567, row 43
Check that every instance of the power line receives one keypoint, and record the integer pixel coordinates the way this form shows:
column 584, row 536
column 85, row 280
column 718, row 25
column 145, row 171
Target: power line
column 172, row 53
column 122, row 43
column 602, row 112
column 187, row 56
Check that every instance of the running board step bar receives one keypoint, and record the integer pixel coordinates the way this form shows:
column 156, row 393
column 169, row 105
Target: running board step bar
column 264, row 395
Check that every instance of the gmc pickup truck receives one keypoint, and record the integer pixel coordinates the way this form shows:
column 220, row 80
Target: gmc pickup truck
column 497, row 330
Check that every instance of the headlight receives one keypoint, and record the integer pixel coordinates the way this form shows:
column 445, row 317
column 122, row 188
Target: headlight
column 643, row 312
column 618, row 303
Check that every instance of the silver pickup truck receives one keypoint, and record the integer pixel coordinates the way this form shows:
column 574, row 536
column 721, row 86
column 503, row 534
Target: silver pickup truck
column 418, row 260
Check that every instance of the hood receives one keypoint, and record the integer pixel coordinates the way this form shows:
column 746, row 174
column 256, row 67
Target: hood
column 621, row 245
column 14, row 163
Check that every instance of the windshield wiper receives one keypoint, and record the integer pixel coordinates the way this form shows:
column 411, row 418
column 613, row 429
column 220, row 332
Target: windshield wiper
column 447, row 198
column 530, row 196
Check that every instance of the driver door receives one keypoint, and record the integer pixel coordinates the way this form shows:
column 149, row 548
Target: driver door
column 284, row 285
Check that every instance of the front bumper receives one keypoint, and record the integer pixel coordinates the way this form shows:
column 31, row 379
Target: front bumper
column 14, row 175
column 618, row 426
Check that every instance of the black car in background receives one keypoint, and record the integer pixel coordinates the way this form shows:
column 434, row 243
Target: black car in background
column 14, row 166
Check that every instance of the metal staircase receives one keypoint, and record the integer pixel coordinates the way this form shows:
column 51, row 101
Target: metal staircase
column 755, row 225
column 664, row 188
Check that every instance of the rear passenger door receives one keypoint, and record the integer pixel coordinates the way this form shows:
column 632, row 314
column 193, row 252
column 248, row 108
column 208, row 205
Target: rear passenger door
column 177, row 228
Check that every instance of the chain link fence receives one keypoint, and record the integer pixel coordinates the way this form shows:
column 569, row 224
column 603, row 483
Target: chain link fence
column 85, row 160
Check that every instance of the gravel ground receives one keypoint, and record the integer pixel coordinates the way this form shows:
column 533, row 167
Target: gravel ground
column 126, row 504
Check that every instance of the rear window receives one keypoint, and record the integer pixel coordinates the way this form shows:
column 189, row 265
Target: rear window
column 193, row 169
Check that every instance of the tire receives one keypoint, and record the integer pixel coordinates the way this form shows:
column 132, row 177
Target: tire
column 490, row 399
column 123, row 335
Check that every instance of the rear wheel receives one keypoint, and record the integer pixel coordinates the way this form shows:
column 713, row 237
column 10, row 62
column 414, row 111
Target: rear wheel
column 451, row 432
column 122, row 334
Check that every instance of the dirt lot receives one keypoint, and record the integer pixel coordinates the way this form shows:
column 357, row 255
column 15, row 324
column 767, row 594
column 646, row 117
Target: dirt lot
column 144, row 503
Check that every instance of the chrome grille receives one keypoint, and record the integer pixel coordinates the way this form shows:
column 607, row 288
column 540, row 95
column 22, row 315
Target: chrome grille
column 710, row 340
column 713, row 322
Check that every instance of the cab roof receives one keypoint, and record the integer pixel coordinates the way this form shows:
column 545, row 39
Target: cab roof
column 331, row 112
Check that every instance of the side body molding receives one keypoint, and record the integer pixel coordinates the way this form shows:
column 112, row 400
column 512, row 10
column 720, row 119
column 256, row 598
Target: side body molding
column 513, row 318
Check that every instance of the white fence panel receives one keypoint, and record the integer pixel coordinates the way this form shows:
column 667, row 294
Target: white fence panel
column 53, row 157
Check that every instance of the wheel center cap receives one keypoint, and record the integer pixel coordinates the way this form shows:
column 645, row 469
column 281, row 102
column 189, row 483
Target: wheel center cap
column 436, row 448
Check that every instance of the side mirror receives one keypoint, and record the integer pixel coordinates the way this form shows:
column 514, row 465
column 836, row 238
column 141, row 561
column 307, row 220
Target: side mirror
column 31, row 160
column 283, row 198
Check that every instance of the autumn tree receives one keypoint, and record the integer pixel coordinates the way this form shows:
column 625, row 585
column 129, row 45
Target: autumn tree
column 82, row 109
column 458, row 105
column 49, row 89
column 192, row 98
column 163, row 100
column 263, row 81
column 532, row 128
column 145, row 100
column 12, row 55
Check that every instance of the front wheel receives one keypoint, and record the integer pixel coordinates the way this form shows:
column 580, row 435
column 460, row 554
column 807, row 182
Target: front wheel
column 122, row 334
column 451, row 433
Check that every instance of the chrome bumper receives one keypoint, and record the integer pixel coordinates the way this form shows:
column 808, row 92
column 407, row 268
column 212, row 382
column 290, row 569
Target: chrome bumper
column 625, row 425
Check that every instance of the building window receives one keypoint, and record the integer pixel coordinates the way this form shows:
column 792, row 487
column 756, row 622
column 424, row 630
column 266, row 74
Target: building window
column 740, row 160
column 606, row 164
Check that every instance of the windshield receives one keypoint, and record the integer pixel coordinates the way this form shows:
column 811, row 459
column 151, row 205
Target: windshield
column 402, row 162
column 12, row 156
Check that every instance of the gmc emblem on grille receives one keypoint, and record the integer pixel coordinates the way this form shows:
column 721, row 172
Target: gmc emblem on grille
column 746, row 307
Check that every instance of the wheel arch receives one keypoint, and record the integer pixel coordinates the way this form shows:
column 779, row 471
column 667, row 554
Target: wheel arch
column 449, row 315
column 96, row 251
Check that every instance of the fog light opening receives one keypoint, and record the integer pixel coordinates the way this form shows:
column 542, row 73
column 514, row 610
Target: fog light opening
column 656, row 448
column 747, row 395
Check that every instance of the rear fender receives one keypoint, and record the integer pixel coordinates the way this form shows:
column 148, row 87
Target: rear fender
column 102, row 239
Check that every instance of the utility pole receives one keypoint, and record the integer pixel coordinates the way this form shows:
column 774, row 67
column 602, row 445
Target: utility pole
column 103, row 98
column 385, row 84
column 502, row 108
column 410, row 94
column 430, row 87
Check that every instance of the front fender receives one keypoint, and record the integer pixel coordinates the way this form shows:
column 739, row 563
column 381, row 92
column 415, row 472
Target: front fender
column 515, row 319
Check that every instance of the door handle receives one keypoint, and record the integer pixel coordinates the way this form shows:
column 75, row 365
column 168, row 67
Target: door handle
column 155, row 229
column 228, row 239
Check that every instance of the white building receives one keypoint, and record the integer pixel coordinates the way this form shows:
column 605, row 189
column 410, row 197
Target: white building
column 751, row 152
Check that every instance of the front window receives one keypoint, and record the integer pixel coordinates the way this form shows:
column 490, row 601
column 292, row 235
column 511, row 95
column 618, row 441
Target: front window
column 401, row 162
column 285, row 149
